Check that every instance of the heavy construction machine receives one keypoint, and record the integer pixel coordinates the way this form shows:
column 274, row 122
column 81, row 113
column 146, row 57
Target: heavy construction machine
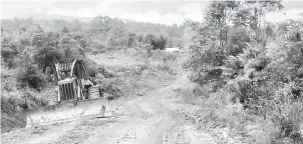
column 77, row 96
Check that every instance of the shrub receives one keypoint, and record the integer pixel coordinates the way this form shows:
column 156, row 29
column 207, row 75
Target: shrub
column 156, row 42
column 12, row 63
column 34, row 98
column 8, row 54
column 46, row 56
column 94, row 68
column 95, row 52
column 9, row 101
column 92, row 72
column 159, row 43
column 23, row 99
column 147, row 48
column 148, row 38
column 30, row 76
column 111, row 89
column 9, row 84
column 140, row 38
column 131, row 39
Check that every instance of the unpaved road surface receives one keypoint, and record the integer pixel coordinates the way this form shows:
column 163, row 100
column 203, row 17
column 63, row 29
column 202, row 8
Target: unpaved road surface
column 159, row 117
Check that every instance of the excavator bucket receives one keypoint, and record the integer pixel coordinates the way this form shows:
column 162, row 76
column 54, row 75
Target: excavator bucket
column 68, row 111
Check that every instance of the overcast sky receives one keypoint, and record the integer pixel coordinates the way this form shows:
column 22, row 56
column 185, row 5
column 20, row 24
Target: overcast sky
column 156, row 11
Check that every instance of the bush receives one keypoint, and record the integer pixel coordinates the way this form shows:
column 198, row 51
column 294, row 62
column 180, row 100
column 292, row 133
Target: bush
column 8, row 55
column 92, row 72
column 146, row 47
column 9, row 84
column 30, row 76
column 94, row 68
column 112, row 89
column 9, row 51
column 95, row 52
column 159, row 43
column 35, row 98
column 156, row 42
column 9, row 101
column 45, row 57
column 23, row 99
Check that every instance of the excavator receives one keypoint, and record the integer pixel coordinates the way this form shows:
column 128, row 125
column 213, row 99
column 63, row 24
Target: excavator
column 77, row 96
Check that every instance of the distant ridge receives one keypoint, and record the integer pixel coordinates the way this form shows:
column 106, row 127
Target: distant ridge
column 50, row 16
column 46, row 16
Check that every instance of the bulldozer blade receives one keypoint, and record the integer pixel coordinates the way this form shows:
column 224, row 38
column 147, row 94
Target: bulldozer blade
column 68, row 111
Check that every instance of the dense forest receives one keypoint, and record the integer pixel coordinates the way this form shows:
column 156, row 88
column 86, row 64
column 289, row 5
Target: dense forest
column 239, row 58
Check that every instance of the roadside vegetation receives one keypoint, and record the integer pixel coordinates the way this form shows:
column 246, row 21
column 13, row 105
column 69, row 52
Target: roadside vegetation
column 248, row 73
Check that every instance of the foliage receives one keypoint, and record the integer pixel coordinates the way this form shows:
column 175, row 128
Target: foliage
column 46, row 57
column 255, row 63
column 30, row 76
column 92, row 69
column 23, row 99
column 65, row 30
column 131, row 41
column 156, row 42
column 70, row 48
column 8, row 52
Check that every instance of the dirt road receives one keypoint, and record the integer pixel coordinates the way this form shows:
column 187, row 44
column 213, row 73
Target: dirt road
column 159, row 117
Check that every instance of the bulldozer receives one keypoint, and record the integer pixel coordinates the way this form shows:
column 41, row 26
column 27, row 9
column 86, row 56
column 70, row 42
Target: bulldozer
column 77, row 96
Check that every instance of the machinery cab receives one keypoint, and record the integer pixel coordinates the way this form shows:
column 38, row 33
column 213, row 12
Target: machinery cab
column 73, row 80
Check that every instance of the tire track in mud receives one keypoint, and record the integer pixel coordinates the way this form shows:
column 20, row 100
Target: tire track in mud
column 53, row 134
column 134, row 129
column 38, row 134
column 160, row 134
column 104, row 128
column 115, row 130
column 176, row 127
column 83, row 131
